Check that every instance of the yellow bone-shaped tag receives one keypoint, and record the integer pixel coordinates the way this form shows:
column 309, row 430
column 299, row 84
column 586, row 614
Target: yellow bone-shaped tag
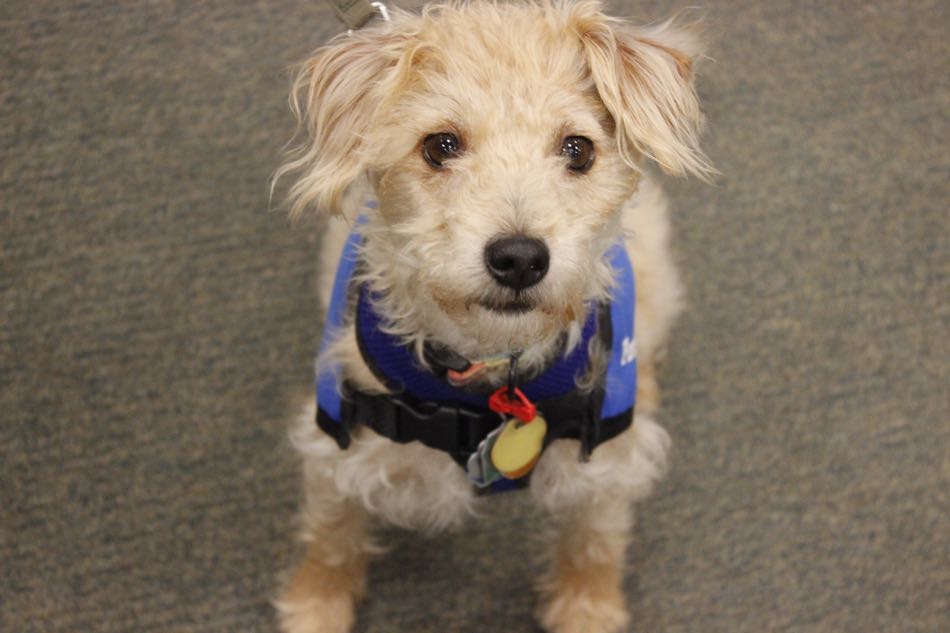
column 518, row 448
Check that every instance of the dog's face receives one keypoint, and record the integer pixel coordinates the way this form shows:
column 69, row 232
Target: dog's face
column 499, row 181
column 501, row 142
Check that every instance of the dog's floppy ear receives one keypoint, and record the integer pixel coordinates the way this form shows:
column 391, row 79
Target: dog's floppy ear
column 645, row 78
column 335, row 97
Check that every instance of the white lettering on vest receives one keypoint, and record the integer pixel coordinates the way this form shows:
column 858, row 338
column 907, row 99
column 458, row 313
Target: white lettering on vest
column 629, row 351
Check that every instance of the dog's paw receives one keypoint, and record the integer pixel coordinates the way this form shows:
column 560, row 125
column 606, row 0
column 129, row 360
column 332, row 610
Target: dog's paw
column 579, row 609
column 321, row 598
column 327, row 613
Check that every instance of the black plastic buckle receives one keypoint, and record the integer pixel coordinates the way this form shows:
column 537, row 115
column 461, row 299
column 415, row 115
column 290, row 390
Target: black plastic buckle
column 450, row 428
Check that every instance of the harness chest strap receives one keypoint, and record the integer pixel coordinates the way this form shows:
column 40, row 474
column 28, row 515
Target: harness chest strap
column 459, row 431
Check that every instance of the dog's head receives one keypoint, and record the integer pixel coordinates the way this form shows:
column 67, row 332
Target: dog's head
column 501, row 142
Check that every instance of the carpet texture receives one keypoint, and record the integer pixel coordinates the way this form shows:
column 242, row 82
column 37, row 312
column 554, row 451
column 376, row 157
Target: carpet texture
column 157, row 323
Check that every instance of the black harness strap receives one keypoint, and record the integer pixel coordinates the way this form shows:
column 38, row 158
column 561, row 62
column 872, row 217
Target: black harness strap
column 458, row 431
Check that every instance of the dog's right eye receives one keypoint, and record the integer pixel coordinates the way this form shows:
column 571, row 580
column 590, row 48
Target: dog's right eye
column 438, row 148
column 580, row 153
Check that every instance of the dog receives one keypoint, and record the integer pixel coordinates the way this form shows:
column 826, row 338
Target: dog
column 482, row 166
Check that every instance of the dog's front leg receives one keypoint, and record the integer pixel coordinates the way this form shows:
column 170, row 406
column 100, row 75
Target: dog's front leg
column 322, row 593
column 582, row 590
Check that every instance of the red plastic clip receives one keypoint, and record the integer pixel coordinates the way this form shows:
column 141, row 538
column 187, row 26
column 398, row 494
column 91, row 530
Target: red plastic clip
column 519, row 406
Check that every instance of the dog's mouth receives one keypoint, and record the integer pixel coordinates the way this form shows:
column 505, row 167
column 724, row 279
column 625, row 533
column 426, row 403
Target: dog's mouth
column 515, row 306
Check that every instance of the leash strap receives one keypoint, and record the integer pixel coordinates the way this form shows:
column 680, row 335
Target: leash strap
column 356, row 13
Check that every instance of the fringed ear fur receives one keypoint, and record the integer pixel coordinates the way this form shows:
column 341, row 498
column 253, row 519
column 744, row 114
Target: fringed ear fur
column 645, row 78
column 335, row 97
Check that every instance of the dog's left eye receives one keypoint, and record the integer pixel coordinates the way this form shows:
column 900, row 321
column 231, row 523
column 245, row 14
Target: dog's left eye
column 438, row 148
column 579, row 151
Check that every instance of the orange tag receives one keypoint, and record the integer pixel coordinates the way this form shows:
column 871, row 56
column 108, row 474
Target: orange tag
column 513, row 402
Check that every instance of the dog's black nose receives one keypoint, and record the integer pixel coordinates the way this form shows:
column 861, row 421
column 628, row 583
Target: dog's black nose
column 517, row 262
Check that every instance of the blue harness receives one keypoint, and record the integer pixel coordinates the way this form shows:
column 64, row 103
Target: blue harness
column 423, row 406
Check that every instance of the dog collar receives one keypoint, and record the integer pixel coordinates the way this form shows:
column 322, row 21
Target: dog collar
column 423, row 406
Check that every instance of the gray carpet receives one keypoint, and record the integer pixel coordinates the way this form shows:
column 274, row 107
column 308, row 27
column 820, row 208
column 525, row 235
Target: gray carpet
column 157, row 323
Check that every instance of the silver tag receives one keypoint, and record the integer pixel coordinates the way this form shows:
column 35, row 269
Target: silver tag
column 481, row 471
column 354, row 13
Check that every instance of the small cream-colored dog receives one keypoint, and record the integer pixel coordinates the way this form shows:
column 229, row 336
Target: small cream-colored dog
column 492, row 153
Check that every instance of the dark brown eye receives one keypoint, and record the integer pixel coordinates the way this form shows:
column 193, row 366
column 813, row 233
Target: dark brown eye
column 438, row 148
column 579, row 151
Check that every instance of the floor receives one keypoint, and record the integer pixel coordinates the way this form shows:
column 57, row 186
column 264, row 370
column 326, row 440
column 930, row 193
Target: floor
column 157, row 323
